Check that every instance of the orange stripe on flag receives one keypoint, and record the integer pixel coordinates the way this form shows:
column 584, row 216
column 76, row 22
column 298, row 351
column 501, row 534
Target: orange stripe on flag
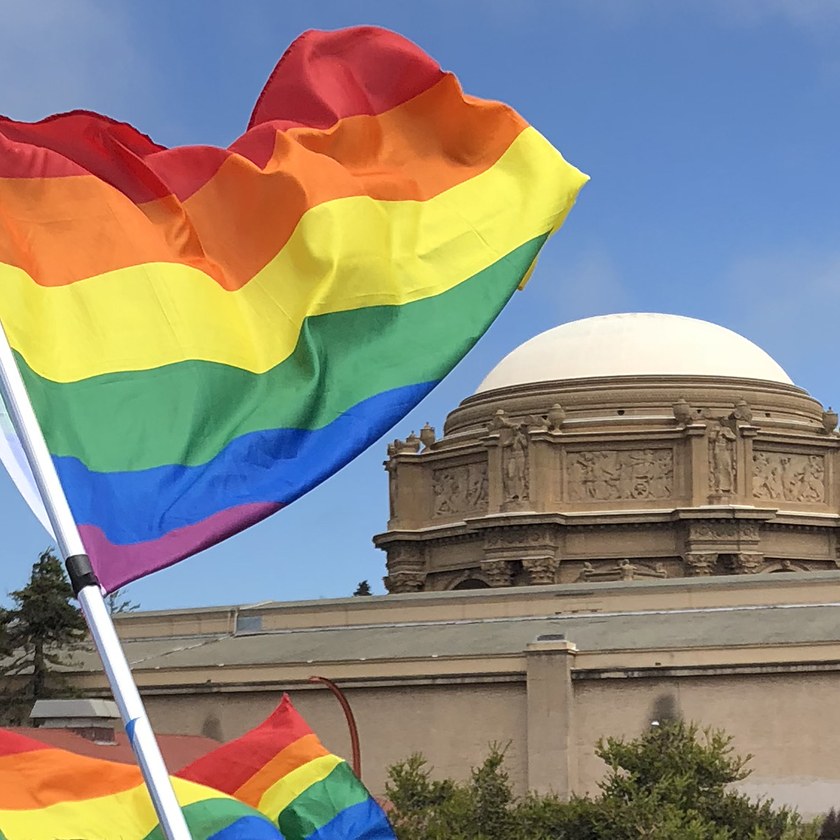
column 295, row 755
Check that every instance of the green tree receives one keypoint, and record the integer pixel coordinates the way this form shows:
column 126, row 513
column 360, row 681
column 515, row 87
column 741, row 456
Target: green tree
column 674, row 781
column 830, row 829
column 363, row 588
column 683, row 776
column 118, row 602
column 38, row 633
column 426, row 809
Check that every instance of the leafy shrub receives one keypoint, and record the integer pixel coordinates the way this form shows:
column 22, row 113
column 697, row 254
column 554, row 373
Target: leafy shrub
column 674, row 781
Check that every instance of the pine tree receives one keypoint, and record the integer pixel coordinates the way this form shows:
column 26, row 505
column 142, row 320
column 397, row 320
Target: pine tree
column 830, row 829
column 363, row 588
column 38, row 634
column 117, row 602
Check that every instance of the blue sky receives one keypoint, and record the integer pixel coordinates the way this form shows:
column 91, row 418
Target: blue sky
column 709, row 129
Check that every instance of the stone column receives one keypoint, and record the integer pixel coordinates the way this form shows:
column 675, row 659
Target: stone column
column 406, row 567
column 699, row 460
column 700, row 564
column 552, row 757
column 541, row 569
column 745, row 464
column 497, row 572
column 545, row 473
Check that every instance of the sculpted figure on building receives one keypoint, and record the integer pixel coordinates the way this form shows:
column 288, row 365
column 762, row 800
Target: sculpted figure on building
column 722, row 458
column 513, row 439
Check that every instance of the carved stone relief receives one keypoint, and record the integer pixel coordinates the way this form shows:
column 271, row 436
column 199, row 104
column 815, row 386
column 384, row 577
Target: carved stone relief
column 740, row 530
column 409, row 446
column 723, row 547
column 405, row 581
column 742, row 411
column 541, row 570
column 786, row 566
column 513, row 438
column 391, row 467
column 747, row 563
column 623, row 570
column 700, row 564
column 722, row 460
column 460, row 489
column 620, row 474
column 551, row 422
column 783, row 476
column 520, row 537
column 497, row 572
column 406, row 568
column 515, row 476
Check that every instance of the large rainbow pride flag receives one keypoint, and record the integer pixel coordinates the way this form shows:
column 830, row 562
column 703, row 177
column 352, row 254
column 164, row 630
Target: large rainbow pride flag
column 277, row 775
column 206, row 334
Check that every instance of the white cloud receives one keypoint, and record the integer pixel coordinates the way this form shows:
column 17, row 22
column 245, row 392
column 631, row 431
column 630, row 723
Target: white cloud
column 57, row 55
column 589, row 285
column 787, row 302
column 808, row 14
column 811, row 14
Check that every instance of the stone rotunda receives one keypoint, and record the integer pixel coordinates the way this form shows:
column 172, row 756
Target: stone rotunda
column 617, row 448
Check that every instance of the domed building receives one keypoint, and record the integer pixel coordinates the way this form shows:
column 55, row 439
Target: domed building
column 617, row 497
column 619, row 447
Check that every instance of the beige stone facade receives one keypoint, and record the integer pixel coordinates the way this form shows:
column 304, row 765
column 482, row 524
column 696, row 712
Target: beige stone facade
column 617, row 478
column 549, row 669
column 651, row 529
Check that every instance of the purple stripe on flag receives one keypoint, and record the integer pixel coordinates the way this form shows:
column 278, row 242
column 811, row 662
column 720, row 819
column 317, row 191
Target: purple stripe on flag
column 117, row 565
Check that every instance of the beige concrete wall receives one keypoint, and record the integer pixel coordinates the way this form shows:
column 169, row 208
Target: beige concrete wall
column 451, row 725
column 787, row 722
column 742, row 590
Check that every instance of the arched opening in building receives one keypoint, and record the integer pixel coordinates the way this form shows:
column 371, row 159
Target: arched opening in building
column 470, row 583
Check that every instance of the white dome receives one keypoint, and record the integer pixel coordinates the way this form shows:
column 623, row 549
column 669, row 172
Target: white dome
column 634, row 344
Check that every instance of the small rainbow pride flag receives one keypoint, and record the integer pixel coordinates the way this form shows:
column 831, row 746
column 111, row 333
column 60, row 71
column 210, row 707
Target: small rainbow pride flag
column 206, row 334
column 282, row 769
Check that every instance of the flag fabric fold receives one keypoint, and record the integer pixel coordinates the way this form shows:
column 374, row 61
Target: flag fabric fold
column 14, row 461
column 206, row 334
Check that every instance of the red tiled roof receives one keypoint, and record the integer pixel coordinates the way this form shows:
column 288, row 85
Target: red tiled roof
column 178, row 750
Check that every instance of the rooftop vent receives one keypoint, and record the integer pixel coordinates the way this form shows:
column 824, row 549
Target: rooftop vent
column 92, row 719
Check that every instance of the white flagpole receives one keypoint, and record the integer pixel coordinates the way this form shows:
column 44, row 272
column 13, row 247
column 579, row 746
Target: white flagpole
column 86, row 587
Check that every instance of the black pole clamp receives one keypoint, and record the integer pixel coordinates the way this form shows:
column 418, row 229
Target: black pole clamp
column 80, row 572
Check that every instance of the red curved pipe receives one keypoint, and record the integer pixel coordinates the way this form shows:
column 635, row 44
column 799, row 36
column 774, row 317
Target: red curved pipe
column 351, row 722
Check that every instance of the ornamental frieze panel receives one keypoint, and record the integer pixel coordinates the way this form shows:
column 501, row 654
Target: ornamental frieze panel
column 460, row 489
column 520, row 536
column 622, row 570
column 704, row 563
column 724, row 531
column 608, row 475
column 406, row 555
column 788, row 477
